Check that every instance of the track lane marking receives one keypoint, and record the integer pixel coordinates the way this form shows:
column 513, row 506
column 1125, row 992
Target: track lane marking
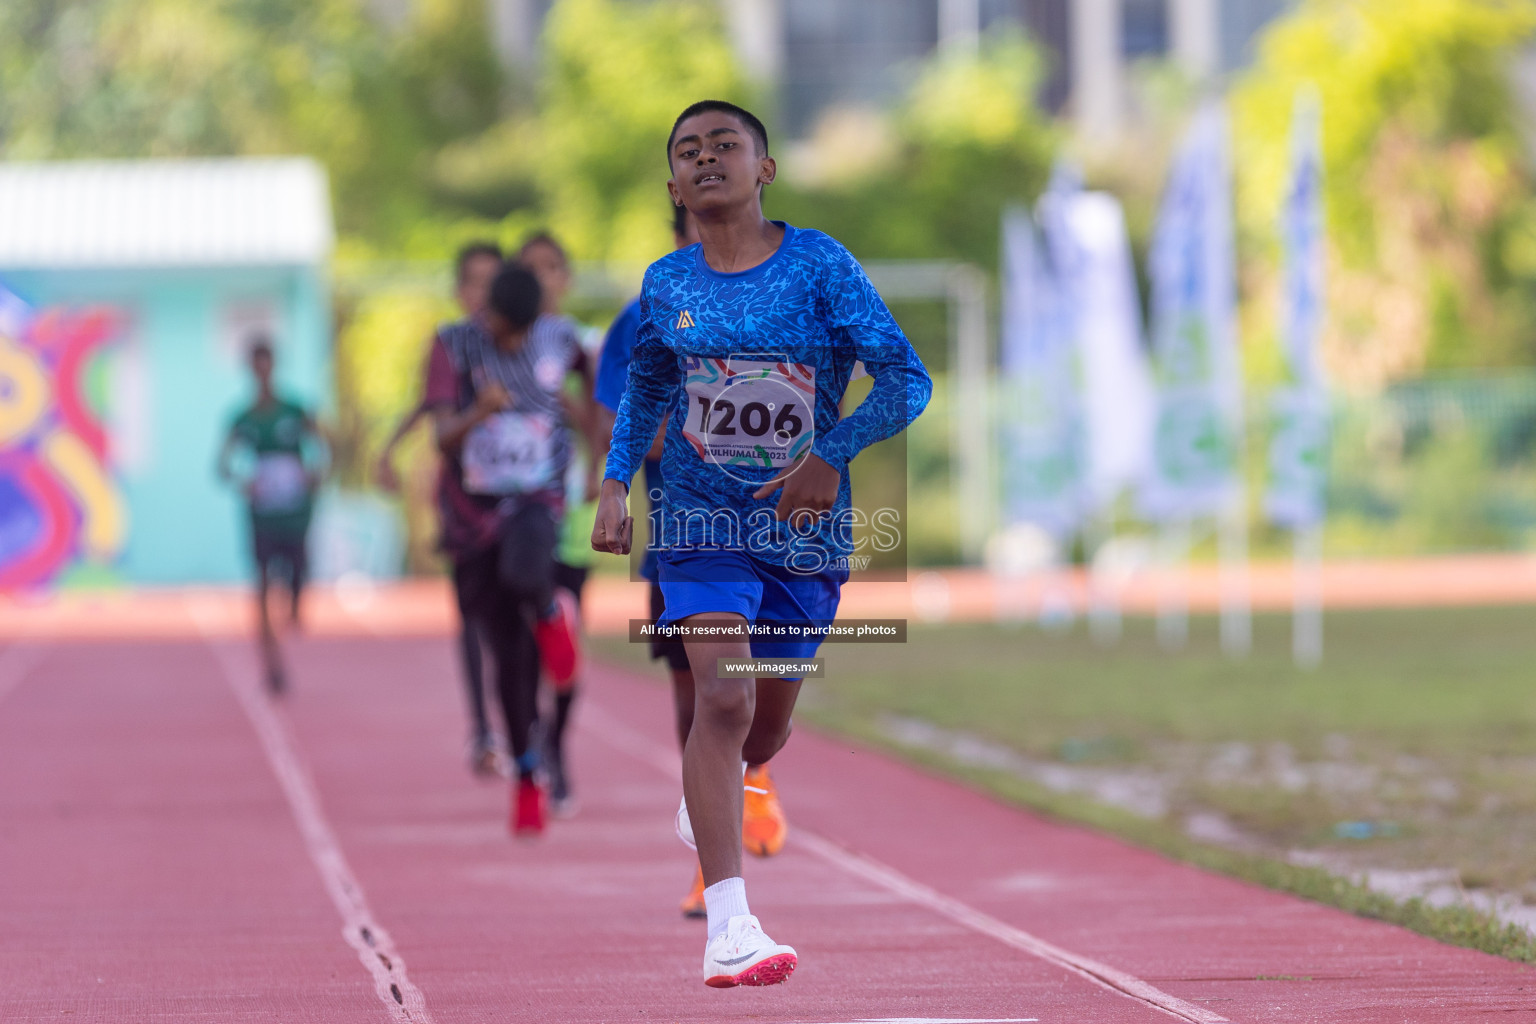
column 1100, row 974
column 622, row 737
column 361, row 930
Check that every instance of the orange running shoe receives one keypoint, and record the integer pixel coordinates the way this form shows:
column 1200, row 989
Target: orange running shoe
column 693, row 903
column 763, row 828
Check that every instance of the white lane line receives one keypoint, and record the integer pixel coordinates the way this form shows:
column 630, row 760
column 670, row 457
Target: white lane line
column 623, row 738
column 1100, row 974
column 375, row 949
column 17, row 661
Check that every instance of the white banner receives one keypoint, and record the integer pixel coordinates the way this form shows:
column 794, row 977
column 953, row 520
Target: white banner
column 1197, row 435
column 1298, row 454
column 1117, row 396
column 1041, row 422
column 1079, row 401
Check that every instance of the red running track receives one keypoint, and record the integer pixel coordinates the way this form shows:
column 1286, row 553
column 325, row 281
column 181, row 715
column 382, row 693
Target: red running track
column 174, row 848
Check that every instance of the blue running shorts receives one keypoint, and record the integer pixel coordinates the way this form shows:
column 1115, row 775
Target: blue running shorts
column 716, row 580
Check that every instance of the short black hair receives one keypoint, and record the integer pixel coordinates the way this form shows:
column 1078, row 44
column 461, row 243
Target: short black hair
column 515, row 294
column 679, row 219
column 544, row 238
column 746, row 117
column 470, row 251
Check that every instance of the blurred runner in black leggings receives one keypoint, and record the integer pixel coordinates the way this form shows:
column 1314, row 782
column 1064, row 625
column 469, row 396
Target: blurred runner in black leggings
column 475, row 267
column 494, row 388
column 546, row 258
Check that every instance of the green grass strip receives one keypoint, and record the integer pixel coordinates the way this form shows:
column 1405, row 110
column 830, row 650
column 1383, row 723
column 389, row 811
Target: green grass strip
column 1456, row 925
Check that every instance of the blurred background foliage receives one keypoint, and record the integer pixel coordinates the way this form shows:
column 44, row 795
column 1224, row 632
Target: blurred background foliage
column 173, row 78
column 1431, row 212
column 430, row 142
column 928, row 180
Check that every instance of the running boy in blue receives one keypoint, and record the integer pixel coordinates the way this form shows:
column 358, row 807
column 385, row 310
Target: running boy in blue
column 764, row 827
column 747, row 342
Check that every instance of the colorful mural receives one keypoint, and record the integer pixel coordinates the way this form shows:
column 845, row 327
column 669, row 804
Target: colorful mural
column 59, row 503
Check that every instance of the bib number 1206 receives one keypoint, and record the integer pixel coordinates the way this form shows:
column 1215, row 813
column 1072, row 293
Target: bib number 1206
column 750, row 412
column 720, row 418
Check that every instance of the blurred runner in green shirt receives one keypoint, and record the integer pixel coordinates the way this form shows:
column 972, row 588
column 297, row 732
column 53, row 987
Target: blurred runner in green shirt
column 282, row 453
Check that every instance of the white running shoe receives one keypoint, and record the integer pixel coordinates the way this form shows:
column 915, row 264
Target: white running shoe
column 743, row 955
column 684, row 826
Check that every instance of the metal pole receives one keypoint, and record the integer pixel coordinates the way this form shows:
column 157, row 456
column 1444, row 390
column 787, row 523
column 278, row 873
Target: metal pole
column 1307, row 610
column 971, row 447
column 1232, row 545
column 1173, row 595
column 1103, row 582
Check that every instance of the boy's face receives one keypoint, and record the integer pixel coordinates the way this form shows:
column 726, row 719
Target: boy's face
column 501, row 330
column 261, row 367
column 715, row 163
column 547, row 264
column 474, row 287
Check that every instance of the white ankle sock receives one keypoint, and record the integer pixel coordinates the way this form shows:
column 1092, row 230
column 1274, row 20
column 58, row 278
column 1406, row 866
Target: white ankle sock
column 723, row 901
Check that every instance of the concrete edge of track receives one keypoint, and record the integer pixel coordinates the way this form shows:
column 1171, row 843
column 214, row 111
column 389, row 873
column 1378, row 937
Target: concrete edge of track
column 375, row 949
column 424, row 606
column 665, row 761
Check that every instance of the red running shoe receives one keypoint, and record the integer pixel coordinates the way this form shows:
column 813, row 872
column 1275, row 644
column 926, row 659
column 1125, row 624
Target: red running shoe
column 556, row 637
column 527, row 809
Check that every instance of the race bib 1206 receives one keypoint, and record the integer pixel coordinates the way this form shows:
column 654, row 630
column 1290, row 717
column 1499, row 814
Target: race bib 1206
column 749, row 412
column 509, row 453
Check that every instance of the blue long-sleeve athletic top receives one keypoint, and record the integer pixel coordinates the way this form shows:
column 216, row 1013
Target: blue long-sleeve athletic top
column 763, row 358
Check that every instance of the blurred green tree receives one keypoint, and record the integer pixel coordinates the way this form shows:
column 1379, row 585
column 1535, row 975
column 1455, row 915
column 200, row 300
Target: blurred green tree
column 617, row 75
column 1431, row 211
column 587, row 157
column 929, row 180
column 169, row 78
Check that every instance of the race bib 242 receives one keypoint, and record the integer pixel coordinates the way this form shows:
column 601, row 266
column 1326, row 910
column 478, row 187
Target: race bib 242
column 509, row 453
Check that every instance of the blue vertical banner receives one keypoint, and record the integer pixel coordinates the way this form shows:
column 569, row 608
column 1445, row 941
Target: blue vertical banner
column 1197, row 433
column 1298, row 453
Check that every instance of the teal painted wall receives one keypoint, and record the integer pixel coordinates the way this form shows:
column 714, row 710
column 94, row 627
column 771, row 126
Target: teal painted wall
column 173, row 380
